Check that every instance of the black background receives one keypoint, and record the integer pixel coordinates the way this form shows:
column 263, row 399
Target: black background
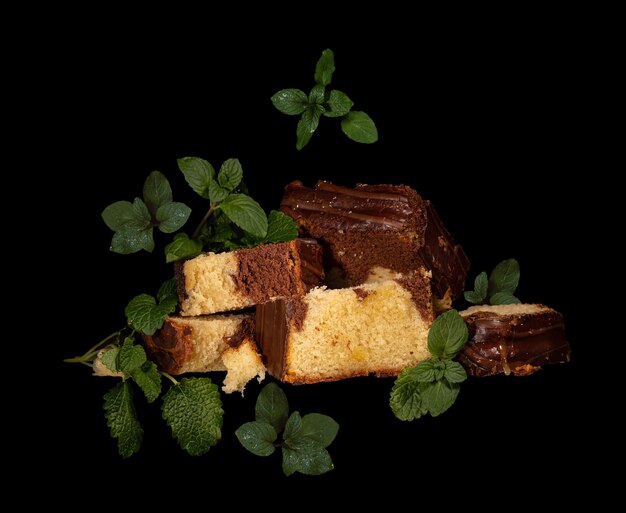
column 480, row 122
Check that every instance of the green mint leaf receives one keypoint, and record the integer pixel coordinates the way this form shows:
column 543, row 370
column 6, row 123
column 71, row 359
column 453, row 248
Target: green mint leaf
column 193, row 410
column 292, row 428
column 481, row 284
column 230, row 175
column 172, row 216
column 109, row 358
column 130, row 357
column 149, row 380
column 156, row 191
column 182, row 247
column 316, row 96
column 168, row 289
column 503, row 298
column 472, row 297
column 338, row 104
column 198, row 173
column 307, row 125
column 222, row 229
column 447, row 335
column 145, row 315
column 290, row 101
column 217, row 193
column 504, row 277
column 438, row 396
column 311, row 460
column 325, row 67
column 122, row 420
column 405, row 400
column 319, row 428
column 130, row 240
column 272, row 407
column 257, row 437
column 245, row 213
column 123, row 214
column 454, row 372
column 359, row 127
column 280, row 227
column 424, row 372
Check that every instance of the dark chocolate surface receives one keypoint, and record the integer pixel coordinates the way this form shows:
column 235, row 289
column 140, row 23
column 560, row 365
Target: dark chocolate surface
column 271, row 330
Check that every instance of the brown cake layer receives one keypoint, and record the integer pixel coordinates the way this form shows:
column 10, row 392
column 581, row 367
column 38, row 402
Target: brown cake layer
column 377, row 226
column 513, row 339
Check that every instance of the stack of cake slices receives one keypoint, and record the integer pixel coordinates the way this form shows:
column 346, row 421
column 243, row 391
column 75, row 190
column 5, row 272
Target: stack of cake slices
column 354, row 296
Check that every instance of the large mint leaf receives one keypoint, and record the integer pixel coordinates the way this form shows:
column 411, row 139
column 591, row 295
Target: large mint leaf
column 182, row 247
column 325, row 67
column 257, row 437
column 198, row 173
column 122, row 214
column 311, row 460
column 437, row 397
column 447, row 335
column 172, row 216
column 130, row 357
column 130, row 240
column 359, row 127
column 319, row 428
column 307, row 125
column 145, row 316
column 290, row 101
column 405, row 399
column 149, row 380
column 156, row 191
column 338, row 104
column 122, row 420
column 280, row 227
column 193, row 410
column 245, row 213
column 230, row 175
column 272, row 407
column 504, row 277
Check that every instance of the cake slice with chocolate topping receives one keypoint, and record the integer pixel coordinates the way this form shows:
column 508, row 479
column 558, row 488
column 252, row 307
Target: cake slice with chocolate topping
column 372, row 232
column 222, row 282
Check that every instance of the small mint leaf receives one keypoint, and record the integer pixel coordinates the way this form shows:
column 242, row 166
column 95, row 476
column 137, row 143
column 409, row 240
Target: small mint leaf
column 130, row 357
column 405, row 400
column 109, row 358
column 245, row 213
column 454, row 372
column 121, row 214
column 156, row 191
column 144, row 315
column 316, row 96
column 359, row 127
column 122, row 420
column 447, row 335
column 292, row 428
column 481, row 284
column 290, row 101
column 338, row 104
column 167, row 289
column 272, row 407
column 280, row 227
column 217, row 193
column 325, row 68
column 149, row 380
column 230, row 175
column 503, row 298
column 311, row 460
column 198, row 173
column 472, row 297
column 130, row 240
column 424, row 371
column 438, row 396
column 257, row 437
column 504, row 277
column 307, row 125
column 172, row 216
column 182, row 247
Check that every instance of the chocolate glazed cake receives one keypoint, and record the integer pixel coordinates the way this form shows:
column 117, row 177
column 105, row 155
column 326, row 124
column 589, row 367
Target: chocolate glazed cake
column 372, row 231
column 513, row 339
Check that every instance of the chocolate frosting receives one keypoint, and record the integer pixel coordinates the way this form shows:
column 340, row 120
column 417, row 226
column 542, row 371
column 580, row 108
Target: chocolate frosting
column 513, row 344
column 387, row 226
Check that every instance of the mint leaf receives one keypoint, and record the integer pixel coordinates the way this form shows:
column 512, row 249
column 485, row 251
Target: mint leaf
column 503, row 298
column 257, row 437
column 472, row 297
column 182, row 247
column 217, row 193
column 156, row 191
column 198, row 173
column 311, row 460
column 245, row 213
column 230, row 175
column 338, row 104
column 405, row 400
column 130, row 357
column 292, row 428
column 424, row 372
column 149, row 380
column 290, row 101
column 316, row 96
column 145, row 315
column 272, row 407
column 168, row 289
column 478, row 295
column 193, row 410
column 280, row 227
column 122, row 420
column 437, row 397
column 130, row 240
column 122, row 214
column 454, row 372
column 172, row 216
column 109, row 358
column 319, row 428
column 325, row 67
column 504, row 277
column 307, row 125
column 447, row 335
column 359, row 127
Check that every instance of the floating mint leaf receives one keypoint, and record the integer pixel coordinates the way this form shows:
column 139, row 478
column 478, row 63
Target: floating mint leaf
column 230, row 175
column 156, row 191
column 503, row 298
column 245, row 213
column 122, row 420
column 198, row 173
column 290, row 101
column 307, row 125
column 280, row 227
column 447, row 335
column 325, row 68
column 257, row 437
column 272, row 407
column 359, row 127
column 172, row 216
column 338, row 104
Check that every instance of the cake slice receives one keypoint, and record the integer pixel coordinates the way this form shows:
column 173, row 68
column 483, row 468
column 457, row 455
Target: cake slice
column 513, row 339
column 330, row 334
column 222, row 282
column 372, row 232
column 210, row 343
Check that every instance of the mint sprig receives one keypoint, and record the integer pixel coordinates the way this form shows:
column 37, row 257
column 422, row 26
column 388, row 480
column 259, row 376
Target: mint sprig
column 145, row 315
column 134, row 223
column 305, row 439
column 499, row 289
column 432, row 386
column 357, row 125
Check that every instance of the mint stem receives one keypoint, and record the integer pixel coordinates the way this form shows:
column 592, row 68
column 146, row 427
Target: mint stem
column 91, row 353
column 204, row 220
column 169, row 377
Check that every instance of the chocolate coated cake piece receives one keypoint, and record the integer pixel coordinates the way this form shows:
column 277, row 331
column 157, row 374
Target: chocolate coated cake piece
column 373, row 231
column 513, row 339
